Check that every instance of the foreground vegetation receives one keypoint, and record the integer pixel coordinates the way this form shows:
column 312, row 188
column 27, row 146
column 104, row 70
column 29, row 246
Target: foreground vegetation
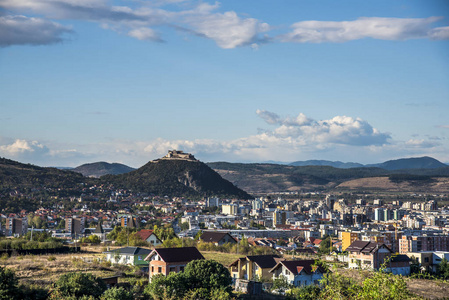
column 36, row 278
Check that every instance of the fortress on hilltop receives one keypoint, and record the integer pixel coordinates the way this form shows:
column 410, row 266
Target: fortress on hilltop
column 175, row 154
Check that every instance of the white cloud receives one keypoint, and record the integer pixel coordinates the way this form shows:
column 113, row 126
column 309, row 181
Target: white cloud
column 21, row 30
column 228, row 30
column 338, row 130
column 22, row 149
column 373, row 27
column 421, row 143
column 440, row 33
column 144, row 33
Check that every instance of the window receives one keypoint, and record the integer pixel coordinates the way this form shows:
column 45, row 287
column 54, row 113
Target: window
column 152, row 269
column 172, row 269
column 426, row 259
column 181, row 268
column 139, row 257
column 159, row 269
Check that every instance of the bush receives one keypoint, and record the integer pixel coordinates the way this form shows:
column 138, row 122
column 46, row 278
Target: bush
column 78, row 285
column 117, row 294
column 8, row 284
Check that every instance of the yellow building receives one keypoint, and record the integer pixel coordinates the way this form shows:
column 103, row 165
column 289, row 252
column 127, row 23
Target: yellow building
column 347, row 239
column 253, row 267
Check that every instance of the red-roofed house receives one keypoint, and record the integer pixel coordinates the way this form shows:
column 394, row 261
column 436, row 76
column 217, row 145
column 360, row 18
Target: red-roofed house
column 149, row 236
column 167, row 260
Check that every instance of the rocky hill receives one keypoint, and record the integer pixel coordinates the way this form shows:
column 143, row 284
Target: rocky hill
column 177, row 177
column 99, row 169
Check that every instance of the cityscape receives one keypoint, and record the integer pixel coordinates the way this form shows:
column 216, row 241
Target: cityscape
column 199, row 149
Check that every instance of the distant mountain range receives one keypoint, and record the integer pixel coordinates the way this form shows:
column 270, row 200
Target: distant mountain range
column 318, row 175
column 335, row 164
column 232, row 180
column 99, row 169
column 398, row 164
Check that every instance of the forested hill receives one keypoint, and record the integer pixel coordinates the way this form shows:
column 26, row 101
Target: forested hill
column 264, row 178
column 18, row 175
column 177, row 178
column 99, row 169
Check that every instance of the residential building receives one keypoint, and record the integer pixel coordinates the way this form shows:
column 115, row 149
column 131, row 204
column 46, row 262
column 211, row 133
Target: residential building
column 298, row 272
column 16, row 226
column 229, row 209
column 217, row 237
column 167, row 260
column 129, row 256
column 254, row 267
column 374, row 256
column 149, row 236
column 409, row 243
column 348, row 238
column 75, row 226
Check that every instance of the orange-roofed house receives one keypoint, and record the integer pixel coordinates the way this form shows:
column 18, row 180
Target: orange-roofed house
column 149, row 236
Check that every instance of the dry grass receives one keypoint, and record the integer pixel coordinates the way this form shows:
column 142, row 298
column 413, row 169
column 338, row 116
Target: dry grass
column 224, row 258
column 46, row 269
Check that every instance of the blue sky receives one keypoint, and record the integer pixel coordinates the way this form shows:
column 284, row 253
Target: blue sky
column 241, row 81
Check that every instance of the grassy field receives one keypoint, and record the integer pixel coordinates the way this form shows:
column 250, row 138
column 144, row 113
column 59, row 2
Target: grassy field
column 224, row 258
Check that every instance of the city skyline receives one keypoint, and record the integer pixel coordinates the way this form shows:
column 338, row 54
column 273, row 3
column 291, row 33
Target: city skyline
column 241, row 81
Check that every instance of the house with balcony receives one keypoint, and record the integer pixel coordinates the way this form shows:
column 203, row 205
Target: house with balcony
column 374, row 256
column 298, row 272
column 254, row 267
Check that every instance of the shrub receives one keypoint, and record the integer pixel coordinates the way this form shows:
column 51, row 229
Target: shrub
column 78, row 285
column 8, row 284
column 117, row 294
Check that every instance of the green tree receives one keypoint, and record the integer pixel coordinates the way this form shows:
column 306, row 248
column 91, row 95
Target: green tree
column 117, row 294
column 8, row 284
column 201, row 279
column 280, row 285
column 184, row 226
column 207, row 274
column 174, row 285
column 309, row 292
column 443, row 269
column 78, row 285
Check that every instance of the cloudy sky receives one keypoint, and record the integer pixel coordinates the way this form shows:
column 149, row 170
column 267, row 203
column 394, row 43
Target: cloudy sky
column 241, row 81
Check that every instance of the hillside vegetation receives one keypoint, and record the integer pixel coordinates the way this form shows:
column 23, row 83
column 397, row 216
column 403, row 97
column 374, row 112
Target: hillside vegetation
column 102, row 168
column 176, row 178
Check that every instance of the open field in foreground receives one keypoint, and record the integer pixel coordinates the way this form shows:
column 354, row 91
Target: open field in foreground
column 46, row 269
